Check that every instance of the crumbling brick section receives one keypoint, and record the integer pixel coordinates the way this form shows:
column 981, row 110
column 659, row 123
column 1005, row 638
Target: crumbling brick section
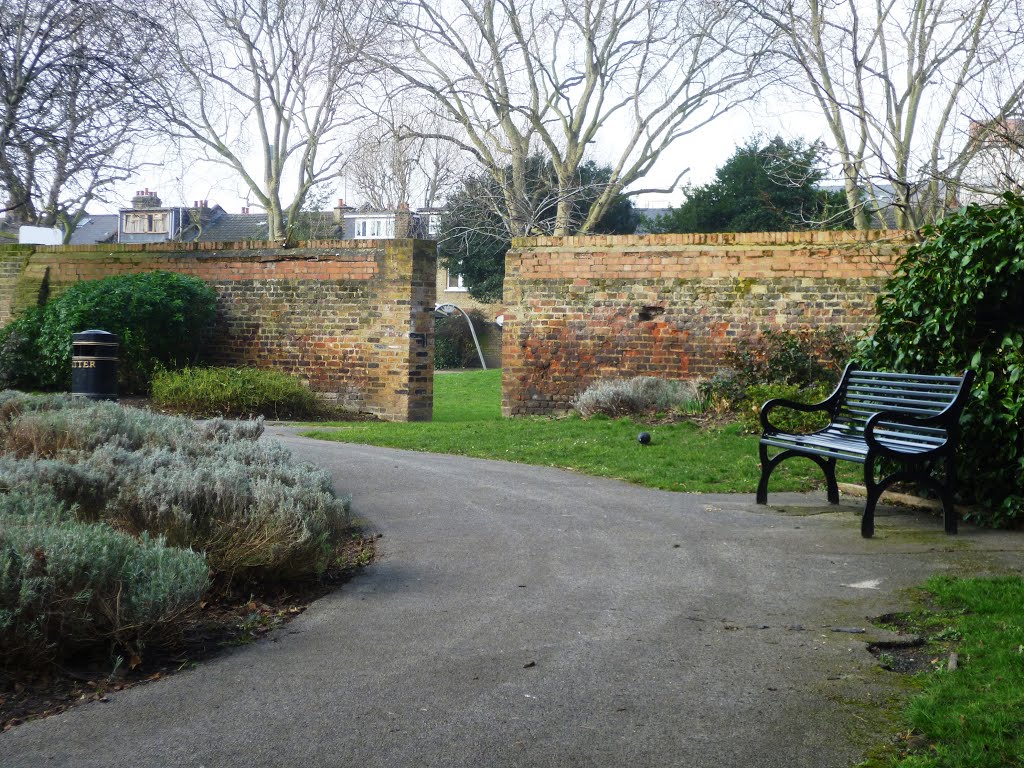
column 580, row 309
column 352, row 318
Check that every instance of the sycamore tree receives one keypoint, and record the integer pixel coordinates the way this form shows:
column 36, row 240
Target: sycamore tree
column 261, row 87
column 510, row 79
column 768, row 186
column 71, row 74
column 387, row 168
column 474, row 237
column 901, row 85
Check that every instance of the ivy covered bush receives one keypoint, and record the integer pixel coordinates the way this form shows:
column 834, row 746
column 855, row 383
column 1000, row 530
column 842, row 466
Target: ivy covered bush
column 956, row 301
column 161, row 318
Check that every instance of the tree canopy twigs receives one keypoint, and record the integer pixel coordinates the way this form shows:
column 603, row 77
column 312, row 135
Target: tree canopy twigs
column 71, row 73
column 514, row 78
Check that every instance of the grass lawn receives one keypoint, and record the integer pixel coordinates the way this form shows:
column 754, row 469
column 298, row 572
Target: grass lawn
column 681, row 457
column 972, row 716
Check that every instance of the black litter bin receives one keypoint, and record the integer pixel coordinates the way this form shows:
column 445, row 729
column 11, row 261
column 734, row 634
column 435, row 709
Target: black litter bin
column 94, row 365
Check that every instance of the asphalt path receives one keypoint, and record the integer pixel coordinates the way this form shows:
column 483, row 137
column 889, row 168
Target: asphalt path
column 523, row 616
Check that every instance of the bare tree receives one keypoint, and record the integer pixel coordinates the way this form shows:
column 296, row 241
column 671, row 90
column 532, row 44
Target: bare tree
column 259, row 86
column 899, row 82
column 997, row 162
column 515, row 77
column 388, row 167
column 70, row 73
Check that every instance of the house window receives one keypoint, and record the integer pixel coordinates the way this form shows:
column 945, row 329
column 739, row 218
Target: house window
column 146, row 223
column 375, row 228
column 455, row 282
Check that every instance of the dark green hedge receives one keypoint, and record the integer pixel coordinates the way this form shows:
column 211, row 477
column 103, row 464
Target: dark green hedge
column 162, row 319
column 957, row 301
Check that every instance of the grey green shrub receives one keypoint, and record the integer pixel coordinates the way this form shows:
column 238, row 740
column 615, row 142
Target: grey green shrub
column 210, row 486
column 635, row 396
column 253, row 511
column 55, row 424
column 66, row 585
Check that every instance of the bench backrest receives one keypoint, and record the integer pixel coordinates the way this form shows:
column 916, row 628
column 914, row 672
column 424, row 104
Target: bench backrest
column 861, row 394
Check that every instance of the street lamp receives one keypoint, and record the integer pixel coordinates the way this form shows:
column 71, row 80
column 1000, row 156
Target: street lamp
column 446, row 310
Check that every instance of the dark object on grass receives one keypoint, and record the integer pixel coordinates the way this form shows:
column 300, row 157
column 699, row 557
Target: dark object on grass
column 644, row 438
column 908, row 420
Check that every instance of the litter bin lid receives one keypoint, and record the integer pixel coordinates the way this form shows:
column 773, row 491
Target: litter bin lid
column 95, row 337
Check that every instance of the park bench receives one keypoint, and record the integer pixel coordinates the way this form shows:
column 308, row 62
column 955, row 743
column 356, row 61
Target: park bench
column 910, row 421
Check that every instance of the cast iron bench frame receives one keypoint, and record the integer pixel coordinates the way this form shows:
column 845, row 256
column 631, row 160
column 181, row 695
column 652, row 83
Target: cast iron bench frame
column 912, row 420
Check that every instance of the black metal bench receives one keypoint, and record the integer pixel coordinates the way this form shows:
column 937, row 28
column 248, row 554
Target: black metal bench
column 912, row 421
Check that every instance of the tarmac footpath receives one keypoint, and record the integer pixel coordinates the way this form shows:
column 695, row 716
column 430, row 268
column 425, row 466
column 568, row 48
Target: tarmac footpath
column 524, row 616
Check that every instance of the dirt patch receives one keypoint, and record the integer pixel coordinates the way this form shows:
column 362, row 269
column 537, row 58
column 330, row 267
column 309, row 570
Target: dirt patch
column 918, row 648
column 224, row 620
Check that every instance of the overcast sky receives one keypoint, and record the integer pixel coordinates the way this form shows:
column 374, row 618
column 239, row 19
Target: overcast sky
column 181, row 180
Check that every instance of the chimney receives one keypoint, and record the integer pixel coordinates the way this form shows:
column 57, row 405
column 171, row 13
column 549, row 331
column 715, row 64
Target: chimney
column 245, row 210
column 403, row 222
column 145, row 199
column 339, row 212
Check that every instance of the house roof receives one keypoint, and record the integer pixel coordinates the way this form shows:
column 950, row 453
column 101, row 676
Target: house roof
column 228, row 227
column 101, row 228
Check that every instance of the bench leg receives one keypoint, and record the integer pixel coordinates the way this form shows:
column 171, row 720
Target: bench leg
column 766, row 470
column 949, row 515
column 867, row 521
column 828, row 466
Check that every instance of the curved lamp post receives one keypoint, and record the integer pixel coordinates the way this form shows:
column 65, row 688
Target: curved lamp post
column 447, row 310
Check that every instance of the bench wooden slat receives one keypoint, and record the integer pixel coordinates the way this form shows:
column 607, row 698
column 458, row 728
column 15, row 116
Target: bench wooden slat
column 945, row 394
column 955, row 380
column 884, row 400
column 908, row 383
column 868, row 411
column 855, row 406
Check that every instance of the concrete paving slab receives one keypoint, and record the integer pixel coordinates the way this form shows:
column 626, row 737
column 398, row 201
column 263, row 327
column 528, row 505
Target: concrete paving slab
column 522, row 616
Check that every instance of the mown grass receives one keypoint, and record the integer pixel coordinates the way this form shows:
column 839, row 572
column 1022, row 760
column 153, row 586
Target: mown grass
column 681, row 457
column 971, row 716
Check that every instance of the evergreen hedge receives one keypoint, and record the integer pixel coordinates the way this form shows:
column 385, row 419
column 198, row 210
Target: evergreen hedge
column 956, row 301
column 162, row 319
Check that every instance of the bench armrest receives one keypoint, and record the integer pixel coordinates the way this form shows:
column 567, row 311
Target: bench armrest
column 939, row 421
column 778, row 402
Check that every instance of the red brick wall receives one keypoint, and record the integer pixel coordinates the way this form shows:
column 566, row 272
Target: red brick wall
column 585, row 308
column 352, row 318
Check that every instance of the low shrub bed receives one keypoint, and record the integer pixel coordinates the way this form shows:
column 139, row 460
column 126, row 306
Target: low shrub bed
column 235, row 392
column 640, row 395
column 114, row 521
column 66, row 585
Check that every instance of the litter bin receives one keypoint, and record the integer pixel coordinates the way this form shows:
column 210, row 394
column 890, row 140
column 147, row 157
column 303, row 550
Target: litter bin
column 94, row 365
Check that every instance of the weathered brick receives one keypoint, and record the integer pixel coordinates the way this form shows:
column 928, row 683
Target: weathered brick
column 281, row 308
column 574, row 310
